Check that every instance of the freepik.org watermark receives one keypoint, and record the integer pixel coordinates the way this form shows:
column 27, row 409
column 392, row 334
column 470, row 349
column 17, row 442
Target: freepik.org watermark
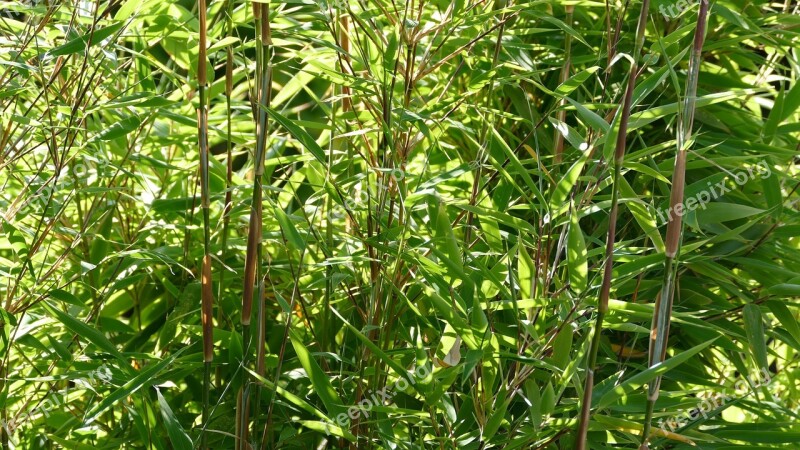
column 714, row 191
column 23, row 6
column 70, row 175
column 708, row 406
column 53, row 400
column 381, row 397
column 362, row 196
column 669, row 10
column 13, row 10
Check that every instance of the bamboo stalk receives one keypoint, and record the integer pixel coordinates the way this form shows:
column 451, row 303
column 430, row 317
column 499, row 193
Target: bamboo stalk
column 254, row 245
column 562, row 113
column 605, row 288
column 264, row 102
column 207, row 294
column 254, row 232
column 659, row 334
column 251, row 259
column 326, row 324
column 226, row 220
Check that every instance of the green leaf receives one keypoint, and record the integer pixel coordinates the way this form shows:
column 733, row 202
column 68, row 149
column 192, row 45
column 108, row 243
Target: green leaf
column 516, row 165
column 66, row 297
column 576, row 255
column 70, row 444
column 180, row 440
column 168, row 205
column 79, row 44
column 120, row 129
column 756, row 339
column 716, row 212
column 398, row 369
column 497, row 416
column 445, row 238
column 568, row 29
column 222, row 43
column 300, row 134
column 785, row 316
column 785, row 289
column 558, row 201
column 638, row 380
column 575, row 81
column 791, row 103
column 85, row 331
column 562, row 347
column 144, row 378
column 289, row 230
column 99, row 248
column 573, row 137
column 640, row 212
column 591, row 118
column 319, row 379
column 327, row 428
column 453, row 316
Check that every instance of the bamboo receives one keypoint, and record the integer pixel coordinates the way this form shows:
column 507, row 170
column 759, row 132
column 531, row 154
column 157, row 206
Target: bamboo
column 253, row 257
column 226, row 220
column 561, row 115
column 605, row 288
column 207, row 295
column 264, row 102
column 659, row 334
column 251, row 260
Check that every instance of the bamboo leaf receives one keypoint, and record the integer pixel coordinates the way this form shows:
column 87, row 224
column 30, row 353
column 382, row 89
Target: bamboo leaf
column 319, row 379
column 145, row 378
column 754, row 326
column 575, row 81
column 89, row 333
column 300, row 134
column 637, row 381
column 79, row 44
column 577, row 255
column 180, row 440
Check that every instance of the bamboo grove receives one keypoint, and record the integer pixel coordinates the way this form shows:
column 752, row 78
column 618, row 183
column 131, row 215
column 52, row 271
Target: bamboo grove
column 386, row 224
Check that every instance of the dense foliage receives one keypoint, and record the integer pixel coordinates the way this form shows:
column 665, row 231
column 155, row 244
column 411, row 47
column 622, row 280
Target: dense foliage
column 416, row 197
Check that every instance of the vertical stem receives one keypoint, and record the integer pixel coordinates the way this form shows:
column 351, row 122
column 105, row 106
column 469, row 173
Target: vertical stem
column 659, row 334
column 207, row 294
column 226, row 220
column 562, row 113
column 264, row 103
column 605, row 288
column 260, row 353
column 327, row 328
column 252, row 259
column 254, row 244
